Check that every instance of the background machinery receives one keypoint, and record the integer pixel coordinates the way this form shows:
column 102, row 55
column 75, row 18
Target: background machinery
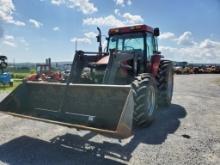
column 107, row 92
column 5, row 77
column 44, row 73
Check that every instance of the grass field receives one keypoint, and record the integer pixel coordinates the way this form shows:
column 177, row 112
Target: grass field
column 17, row 76
column 7, row 88
column 20, row 75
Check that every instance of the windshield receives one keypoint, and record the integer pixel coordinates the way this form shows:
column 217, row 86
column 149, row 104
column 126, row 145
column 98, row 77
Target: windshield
column 126, row 42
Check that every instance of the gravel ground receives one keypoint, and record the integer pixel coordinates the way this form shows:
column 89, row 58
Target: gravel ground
column 188, row 132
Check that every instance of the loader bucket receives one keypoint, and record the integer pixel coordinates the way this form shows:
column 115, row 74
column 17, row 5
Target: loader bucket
column 106, row 109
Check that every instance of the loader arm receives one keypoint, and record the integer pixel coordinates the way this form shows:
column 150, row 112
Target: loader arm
column 80, row 61
column 115, row 62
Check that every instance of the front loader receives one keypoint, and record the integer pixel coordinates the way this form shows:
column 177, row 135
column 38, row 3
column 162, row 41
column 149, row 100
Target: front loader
column 106, row 92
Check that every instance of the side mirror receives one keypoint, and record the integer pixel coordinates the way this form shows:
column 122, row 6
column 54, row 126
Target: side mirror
column 156, row 32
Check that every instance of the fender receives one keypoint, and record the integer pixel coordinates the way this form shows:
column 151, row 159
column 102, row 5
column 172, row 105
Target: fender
column 155, row 63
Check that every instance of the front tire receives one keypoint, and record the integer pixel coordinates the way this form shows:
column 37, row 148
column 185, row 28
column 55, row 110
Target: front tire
column 145, row 100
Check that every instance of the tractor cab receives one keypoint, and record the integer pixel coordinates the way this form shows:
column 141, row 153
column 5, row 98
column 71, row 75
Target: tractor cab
column 43, row 68
column 138, row 41
column 141, row 39
column 133, row 38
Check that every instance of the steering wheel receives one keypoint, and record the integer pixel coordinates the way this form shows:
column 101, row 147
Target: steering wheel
column 129, row 48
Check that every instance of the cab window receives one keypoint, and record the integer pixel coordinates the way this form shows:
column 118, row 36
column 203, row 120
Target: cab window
column 126, row 42
column 150, row 45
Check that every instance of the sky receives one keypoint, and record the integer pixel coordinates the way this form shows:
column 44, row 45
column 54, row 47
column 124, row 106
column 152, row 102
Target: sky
column 32, row 30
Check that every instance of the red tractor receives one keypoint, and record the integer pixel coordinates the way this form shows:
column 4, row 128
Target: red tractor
column 132, row 57
column 44, row 73
column 106, row 92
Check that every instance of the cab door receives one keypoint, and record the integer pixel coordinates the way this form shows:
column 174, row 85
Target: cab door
column 150, row 46
column 153, row 56
column 149, row 50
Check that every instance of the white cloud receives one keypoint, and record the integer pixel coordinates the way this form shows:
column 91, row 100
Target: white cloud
column 12, row 41
column 129, row 2
column 7, row 9
column 57, row 2
column 113, row 21
column 186, row 49
column 209, row 44
column 85, row 6
column 91, row 35
column 110, row 20
column 133, row 19
column 84, row 40
column 9, row 37
column 206, row 51
column 123, row 2
column 56, row 28
column 9, row 43
column 167, row 36
column 18, row 23
column 185, row 39
column 119, row 2
column 24, row 42
column 9, row 40
column 35, row 23
column 117, row 12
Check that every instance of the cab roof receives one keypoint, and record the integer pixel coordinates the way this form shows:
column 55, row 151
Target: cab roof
column 131, row 29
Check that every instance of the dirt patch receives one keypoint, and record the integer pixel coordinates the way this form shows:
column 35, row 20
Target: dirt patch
column 217, row 81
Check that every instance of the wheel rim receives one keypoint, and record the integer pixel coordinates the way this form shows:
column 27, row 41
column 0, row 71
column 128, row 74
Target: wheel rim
column 150, row 100
column 170, row 85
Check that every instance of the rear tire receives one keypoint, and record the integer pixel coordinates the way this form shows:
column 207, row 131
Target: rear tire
column 165, row 83
column 145, row 100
